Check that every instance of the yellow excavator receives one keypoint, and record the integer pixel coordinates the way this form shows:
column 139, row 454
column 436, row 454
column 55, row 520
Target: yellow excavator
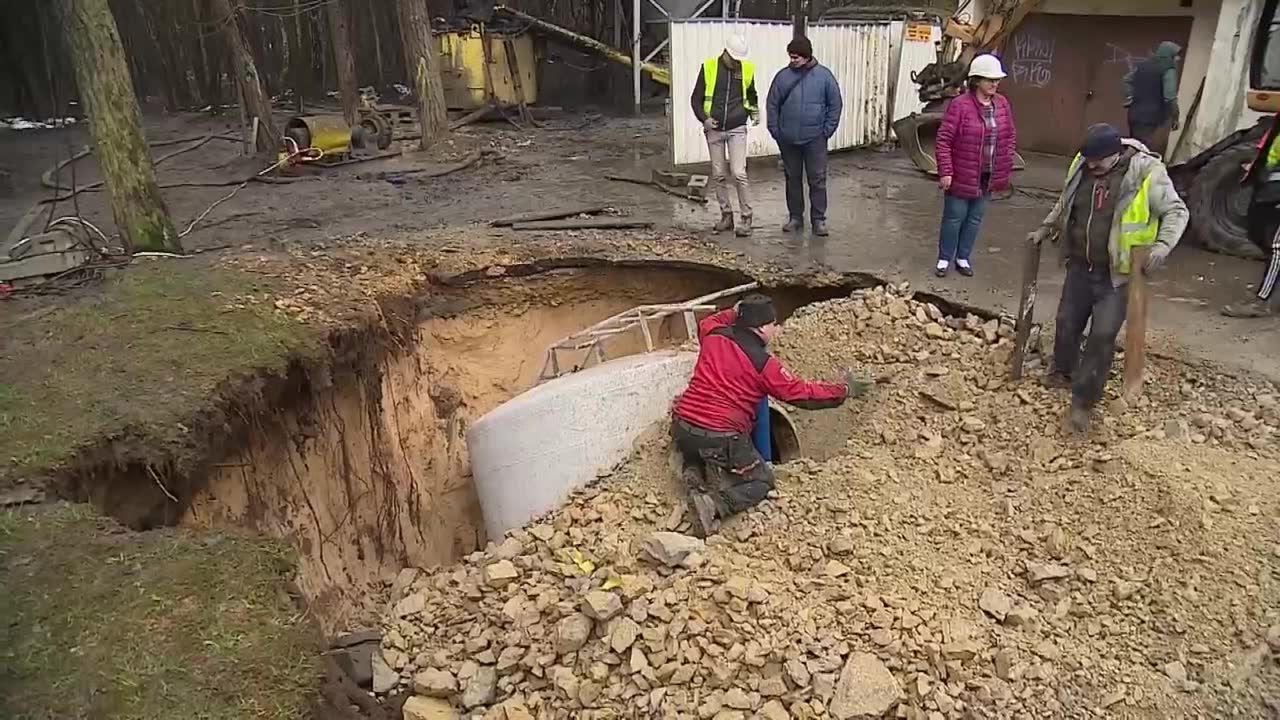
column 944, row 79
column 1209, row 182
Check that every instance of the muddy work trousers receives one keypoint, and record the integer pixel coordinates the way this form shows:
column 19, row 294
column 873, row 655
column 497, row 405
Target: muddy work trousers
column 1088, row 298
column 728, row 150
column 734, row 474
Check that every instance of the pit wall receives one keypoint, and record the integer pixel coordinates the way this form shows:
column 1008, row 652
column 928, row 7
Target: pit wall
column 366, row 470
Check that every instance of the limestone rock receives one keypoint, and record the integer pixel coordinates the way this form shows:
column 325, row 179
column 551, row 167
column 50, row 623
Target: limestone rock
column 774, row 710
column 1041, row 572
column 435, row 683
column 384, row 677
column 601, row 605
column 866, row 688
column 995, row 603
column 481, row 689
column 500, row 574
column 671, row 548
column 410, row 605
column 737, row 699
column 572, row 633
column 425, row 708
column 624, row 634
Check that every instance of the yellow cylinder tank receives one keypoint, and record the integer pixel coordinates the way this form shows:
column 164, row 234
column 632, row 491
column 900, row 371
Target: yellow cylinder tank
column 463, row 58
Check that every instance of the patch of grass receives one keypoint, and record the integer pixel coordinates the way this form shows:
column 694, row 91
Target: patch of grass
column 142, row 355
column 98, row 622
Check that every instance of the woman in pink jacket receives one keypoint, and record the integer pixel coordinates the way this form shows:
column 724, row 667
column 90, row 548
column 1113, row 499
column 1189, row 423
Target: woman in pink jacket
column 975, row 158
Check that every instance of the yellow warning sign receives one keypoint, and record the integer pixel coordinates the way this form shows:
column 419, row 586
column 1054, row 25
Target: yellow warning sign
column 919, row 32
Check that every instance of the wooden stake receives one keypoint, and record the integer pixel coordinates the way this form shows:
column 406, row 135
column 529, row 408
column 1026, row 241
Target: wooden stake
column 1026, row 307
column 1135, row 334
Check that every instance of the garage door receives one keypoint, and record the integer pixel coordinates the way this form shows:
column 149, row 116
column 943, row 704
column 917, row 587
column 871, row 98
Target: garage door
column 1066, row 72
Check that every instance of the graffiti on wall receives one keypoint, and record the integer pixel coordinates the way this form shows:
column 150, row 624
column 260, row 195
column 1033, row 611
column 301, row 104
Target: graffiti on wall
column 1117, row 55
column 1032, row 62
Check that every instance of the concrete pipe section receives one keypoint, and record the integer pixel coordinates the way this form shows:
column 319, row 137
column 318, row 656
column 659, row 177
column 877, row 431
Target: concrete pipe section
column 530, row 453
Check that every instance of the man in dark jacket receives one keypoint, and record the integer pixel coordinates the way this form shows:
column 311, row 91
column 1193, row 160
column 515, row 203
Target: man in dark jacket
column 1117, row 197
column 724, row 101
column 1151, row 94
column 723, row 472
column 804, row 107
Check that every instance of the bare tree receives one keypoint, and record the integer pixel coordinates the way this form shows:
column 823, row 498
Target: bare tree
column 344, row 60
column 421, row 59
column 116, row 125
column 253, row 97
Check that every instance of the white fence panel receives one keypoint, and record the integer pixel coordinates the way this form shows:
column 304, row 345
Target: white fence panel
column 858, row 55
column 692, row 42
column 918, row 50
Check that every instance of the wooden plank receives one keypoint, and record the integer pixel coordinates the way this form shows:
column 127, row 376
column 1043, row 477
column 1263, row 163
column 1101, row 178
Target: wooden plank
column 556, row 214
column 691, row 325
column 587, row 224
column 1135, row 334
column 648, row 336
column 1026, row 307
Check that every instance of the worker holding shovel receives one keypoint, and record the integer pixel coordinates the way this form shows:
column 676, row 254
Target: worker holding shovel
column 1118, row 198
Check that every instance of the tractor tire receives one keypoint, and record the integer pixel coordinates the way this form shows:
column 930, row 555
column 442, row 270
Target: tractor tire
column 1219, row 203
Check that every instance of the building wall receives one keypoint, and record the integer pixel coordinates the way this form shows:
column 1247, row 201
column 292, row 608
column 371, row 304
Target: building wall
column 1222, row 103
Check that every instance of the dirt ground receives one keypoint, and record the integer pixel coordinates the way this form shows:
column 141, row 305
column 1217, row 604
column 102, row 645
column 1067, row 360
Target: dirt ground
column 136, row 389
column 962, row 557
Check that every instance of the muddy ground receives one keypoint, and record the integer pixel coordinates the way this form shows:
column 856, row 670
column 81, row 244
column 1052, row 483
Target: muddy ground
column 310, row 374
column 883, row 214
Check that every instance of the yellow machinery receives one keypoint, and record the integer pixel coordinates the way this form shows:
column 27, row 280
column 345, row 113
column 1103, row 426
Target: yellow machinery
column 480, row 67
column 328, row 138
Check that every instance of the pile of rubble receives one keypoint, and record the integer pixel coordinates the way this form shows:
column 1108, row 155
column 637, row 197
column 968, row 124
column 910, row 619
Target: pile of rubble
column 959, row 556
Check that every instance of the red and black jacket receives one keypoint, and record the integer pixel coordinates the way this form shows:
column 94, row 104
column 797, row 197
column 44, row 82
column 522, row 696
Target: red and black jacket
column 735, row 372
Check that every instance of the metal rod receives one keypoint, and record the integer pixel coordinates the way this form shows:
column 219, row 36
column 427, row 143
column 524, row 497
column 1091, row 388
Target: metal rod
column 665, row 42
column 660, row 8
column 698, row 13
column 636, row 27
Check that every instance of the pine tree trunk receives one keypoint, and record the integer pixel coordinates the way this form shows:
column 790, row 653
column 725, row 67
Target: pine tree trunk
column 116, row 125
column 344, row 60
column 422, row 61
column 253, row 98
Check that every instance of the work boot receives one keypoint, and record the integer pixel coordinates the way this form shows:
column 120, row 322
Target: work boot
column 705, row 523
column 1078, row 419
column 1056, row 381
column 793, row 225
column 1254, row 307
column 820, row 228
column 725, row 224
column 744, row 227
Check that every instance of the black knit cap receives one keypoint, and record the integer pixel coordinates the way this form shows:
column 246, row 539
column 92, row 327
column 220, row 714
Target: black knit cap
column 1101, row 141
column 800, row 47
column 755, row 311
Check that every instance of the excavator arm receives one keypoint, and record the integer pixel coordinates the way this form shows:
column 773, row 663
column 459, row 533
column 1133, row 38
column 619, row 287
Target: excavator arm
column 942, row 80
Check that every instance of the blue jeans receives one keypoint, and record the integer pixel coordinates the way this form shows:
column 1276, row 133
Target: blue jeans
column 961, row 220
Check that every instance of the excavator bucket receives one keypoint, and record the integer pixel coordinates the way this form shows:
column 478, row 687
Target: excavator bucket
column 917, row 132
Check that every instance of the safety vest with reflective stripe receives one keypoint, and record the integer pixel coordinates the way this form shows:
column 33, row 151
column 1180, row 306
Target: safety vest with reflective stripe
column 1273, row 155
column 1137, row 226
column 711, row 70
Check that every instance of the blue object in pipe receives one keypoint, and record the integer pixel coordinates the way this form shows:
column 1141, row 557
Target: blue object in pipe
column 760, row 436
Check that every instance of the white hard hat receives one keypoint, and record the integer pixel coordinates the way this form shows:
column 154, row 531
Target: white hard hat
column 987, row 67
column 737, row 47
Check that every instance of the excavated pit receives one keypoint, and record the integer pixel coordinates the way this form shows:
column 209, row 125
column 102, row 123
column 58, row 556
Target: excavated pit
column 362, row 463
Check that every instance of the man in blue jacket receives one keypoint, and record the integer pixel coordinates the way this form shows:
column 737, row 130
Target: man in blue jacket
column 804, row 109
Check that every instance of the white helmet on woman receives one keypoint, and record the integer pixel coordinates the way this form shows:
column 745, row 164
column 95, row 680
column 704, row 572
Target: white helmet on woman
column 986, row 67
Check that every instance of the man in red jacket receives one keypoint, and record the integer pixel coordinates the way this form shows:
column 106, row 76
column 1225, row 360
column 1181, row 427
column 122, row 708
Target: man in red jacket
column 714, row 416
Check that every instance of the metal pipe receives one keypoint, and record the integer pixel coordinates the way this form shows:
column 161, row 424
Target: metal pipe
column 636, row 27
column 660, row 75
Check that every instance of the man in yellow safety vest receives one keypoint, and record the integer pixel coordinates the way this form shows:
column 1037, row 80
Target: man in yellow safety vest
column 1118, row 196
column 724, row 100
column 1263, row 223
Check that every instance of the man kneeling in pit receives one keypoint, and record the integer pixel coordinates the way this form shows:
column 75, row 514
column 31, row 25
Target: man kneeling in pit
column 723, row 472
